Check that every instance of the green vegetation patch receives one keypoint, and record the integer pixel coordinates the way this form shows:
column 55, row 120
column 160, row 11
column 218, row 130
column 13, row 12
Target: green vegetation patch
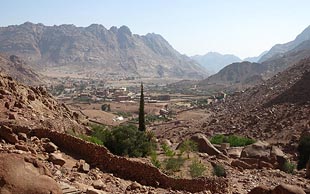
column 124, row 140
column 233, row 140
column 304, row 151
column 196, row 169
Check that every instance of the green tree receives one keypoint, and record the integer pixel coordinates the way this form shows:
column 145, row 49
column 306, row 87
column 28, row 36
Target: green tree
column 304, row 151
column 141, row 111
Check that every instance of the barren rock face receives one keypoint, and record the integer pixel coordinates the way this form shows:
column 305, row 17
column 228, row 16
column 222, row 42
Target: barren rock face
column 21, row 174
column 116, row 50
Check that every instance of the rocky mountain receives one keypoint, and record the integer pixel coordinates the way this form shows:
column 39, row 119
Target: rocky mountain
column 279, row 63
column 19, row 70
column 214, row 61
column 97, row 51
column 34, row 107
column 280, row 49
column 235, row 75
column 276, row 110
column 255, row 59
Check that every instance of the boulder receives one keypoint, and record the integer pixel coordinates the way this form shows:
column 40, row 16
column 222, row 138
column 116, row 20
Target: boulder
column 50, row 147
column 82, row 166
column 241, row 164
column 7, row 134
column 287, row 189
column 260, row 190
column 56, row 158
column 98, row 184
column 204, row 145
column 134, row 186
column 22, row 136
column 234, row 152
column 22, row 174
column 257, row 150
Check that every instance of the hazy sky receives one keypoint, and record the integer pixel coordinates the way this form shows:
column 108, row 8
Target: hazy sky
column 241, row 27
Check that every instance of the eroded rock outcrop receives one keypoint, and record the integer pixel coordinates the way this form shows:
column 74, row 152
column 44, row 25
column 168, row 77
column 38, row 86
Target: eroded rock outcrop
column 23, row 174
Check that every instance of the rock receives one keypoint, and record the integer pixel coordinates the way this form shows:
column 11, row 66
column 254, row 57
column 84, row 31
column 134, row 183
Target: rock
column 235, row 152
column 7, row 134
column 257, row 150
column 225, row 146
column 22, row 147
column 22, row 136
column 56, row 158
column 12, row 116
column 241, row 164
column 82, row 166
column 263, row 164
column 167, row 142
column 98, row 184
column 260, row 190
column 94, row 191
column 278, row 156
column 21, row 174
column 50, row 147
column 287, row 189
column 31, row 97
column 204, row 144
column 134, row 186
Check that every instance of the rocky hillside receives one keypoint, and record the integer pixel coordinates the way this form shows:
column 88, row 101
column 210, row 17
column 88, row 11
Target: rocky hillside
column 255, row 59
column 279, row 49
column 236, row 74
column 34, row 107
column 214, row 61
column 276, row 110
column 18, row 69
column 97, row 51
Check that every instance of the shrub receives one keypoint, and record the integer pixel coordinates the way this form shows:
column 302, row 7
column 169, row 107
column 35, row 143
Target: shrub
column 288, row 167
column 304, row 151
column 219, row 170
column 122, row 140
column 196, row 169
column 167, row 150
column 188, row 146
column 154, row 159
column 92, row 139
column 174, row 164
column 128, row 140
column 233, row 140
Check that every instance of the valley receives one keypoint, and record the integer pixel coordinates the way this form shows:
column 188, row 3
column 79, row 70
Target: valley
column 96, row 110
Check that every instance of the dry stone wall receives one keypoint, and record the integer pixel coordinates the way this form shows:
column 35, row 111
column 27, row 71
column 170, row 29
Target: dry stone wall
column 130, row 169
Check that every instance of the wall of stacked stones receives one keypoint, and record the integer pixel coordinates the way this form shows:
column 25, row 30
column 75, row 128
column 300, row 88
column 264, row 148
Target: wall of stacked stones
column 130, row 169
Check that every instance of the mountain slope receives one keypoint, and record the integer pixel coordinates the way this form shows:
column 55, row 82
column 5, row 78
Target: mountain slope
column 19, row 70
column 214, row 61
column 283, row 48
column 97, row 51
column 276, row 110
column 255, row 59
column 236, row 73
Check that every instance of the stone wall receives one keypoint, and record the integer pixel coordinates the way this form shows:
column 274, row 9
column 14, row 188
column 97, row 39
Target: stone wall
column 127, row 168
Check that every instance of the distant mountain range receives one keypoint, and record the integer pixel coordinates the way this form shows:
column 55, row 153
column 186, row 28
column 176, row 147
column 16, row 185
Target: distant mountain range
column 280, row 49
column 96, row 51
column 255, row 59
column 245, row 74
column 214, row 61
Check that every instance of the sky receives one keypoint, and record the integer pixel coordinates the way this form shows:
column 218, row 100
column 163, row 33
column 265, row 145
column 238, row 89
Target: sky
column 244, row 28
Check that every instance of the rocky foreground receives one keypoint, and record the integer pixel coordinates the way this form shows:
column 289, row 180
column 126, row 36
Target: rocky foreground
column 38, row 154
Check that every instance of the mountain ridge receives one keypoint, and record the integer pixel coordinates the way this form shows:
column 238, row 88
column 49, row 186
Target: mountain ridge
column 214, row 61
column 95, row 48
